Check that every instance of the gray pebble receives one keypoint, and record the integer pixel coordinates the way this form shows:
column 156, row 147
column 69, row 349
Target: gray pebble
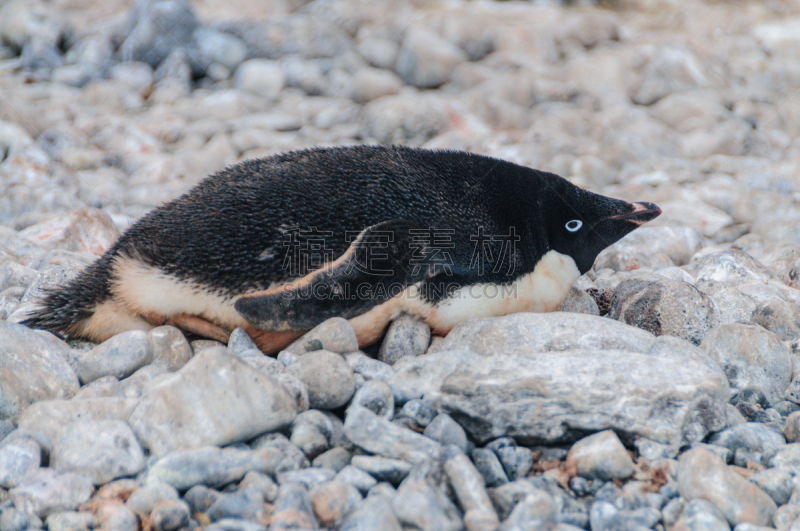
column 239, row 342
column 23, row 382
column 116, row 517
column 45, row 491
column 379, row 436
column 235, row 524
column 369, row 368
column 701, row 474
column 100, row 449
column 200, row 498
column 467, row 482
column 445, row 430
column 488, row 464
column 383, row 469
column 745, row 459
column 119, row 356
column 776, row 482
column 356, row 477
column 334, row 335
column 373, row 514
column 778, row 317
column 751, row 357
column 336, row 459
column 516, row 460
column 170, row 348
column 724, row 453
column 12, row 519
column 332, row 502
column 426, row 60
column 308, row 477
column 327, row 376
column 406, row 336
column 71, row 521
column 376, row 396
column 215, row 399
column 422, row 501
column 311, row 431
column 293, row 508
column 506, row 496
column 211, row 466
column 261, row 77
column 238, row 505
column 262, row 482
column 422, row 411
column 170, row 515
column 792, row 428
column 786, row 408
column 143, row 499
column 105, row 386
column 701, row 514
column 291, row 457
column 751, row 437
column 18, row 458
column 136, row 75
column 785, row 516
column 653, row 305
column 536, row 511
column 787, row 457
column 218, row 47
column 672, row 511
column 199, row 345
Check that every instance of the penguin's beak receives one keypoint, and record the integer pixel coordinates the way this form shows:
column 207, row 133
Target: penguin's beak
column 641, row 213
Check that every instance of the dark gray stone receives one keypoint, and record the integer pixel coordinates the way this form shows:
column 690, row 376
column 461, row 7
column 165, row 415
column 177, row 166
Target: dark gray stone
column 383, row 469
column 170, row 515
column 488, row 464
column 335, row 459
column 445, row 430
column 421, row 411
column 379, row 436
column 751, row 437
column 422, row 501
column 517, row 461
column 406, row 336
column 664, row 307
column 356, row 477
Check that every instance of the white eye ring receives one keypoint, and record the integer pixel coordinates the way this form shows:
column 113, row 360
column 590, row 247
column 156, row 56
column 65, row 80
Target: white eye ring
column 574, row 225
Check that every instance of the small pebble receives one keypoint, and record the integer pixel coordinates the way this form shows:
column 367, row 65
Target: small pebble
column 327, row 376
column 488, row 464
column 376, row 396
column 383, row 469
column 336, row 459
column 406, row 336
column 445, row 430
column 356, row 477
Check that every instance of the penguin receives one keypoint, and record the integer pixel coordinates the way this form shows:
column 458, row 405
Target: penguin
column 280, row 244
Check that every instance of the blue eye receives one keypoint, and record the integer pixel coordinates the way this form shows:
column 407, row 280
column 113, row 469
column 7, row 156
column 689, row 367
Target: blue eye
column 574, row 225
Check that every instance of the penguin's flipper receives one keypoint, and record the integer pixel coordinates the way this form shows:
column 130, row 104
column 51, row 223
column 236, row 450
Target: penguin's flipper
column 382, row 262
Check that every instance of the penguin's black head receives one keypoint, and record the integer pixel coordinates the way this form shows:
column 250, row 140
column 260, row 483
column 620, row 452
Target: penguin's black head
column 581, row 223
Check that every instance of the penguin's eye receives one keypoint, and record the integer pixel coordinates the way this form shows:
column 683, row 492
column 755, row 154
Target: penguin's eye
column 574, row 225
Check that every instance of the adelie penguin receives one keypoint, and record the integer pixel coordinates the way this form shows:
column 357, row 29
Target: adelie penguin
column 280, row 244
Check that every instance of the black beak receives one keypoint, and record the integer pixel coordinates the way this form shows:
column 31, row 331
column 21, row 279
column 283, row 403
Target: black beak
column 641, row 213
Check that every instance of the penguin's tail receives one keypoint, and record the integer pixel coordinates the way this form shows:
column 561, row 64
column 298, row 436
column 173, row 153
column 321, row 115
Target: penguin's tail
column 65, row 310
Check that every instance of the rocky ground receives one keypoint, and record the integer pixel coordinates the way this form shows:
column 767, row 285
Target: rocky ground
column 665, row 396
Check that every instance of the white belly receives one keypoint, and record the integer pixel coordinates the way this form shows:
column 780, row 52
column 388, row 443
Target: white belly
column 543, row 290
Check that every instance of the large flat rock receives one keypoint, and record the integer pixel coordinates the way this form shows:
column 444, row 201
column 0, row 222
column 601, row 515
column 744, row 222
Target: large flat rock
column 214, row 400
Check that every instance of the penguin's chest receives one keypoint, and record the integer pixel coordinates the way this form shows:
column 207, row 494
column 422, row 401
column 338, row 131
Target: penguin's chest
column 542, row 290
